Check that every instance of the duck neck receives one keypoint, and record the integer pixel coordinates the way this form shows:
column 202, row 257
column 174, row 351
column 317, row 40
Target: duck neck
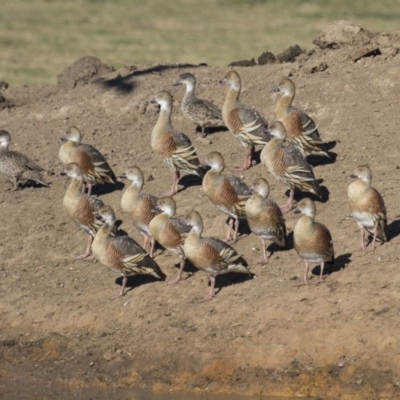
column 4, row 147
column 367, row 180
column 232, row 97
column 163, row 124
column 283, row 105
column 189, row 94
column 129, row 197
column 75, row 187
column 164, row 119
column 195, row 234
column 103, row 233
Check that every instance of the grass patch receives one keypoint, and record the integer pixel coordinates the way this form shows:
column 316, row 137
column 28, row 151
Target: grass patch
column 39, row 38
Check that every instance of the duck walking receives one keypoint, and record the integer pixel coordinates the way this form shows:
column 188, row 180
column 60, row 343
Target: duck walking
column 367, row 207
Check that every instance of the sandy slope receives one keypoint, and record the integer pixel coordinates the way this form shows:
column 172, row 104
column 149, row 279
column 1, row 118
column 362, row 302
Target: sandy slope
column 264, row 335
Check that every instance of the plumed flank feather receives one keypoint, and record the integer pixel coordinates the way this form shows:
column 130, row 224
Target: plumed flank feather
column 307, row 123
column 304, row 139
column 185, row 159
column 247, row 125
column 228, row 255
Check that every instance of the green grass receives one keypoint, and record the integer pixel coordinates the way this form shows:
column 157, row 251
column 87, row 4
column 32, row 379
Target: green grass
column 39, row 38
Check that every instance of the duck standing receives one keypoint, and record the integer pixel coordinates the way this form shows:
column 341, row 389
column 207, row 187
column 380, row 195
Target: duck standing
column 244, row 122
column 174, row 147
column 367, row 207
column 312, row 240
column 211, row 255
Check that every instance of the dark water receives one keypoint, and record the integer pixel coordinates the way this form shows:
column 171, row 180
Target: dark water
column 30, row 392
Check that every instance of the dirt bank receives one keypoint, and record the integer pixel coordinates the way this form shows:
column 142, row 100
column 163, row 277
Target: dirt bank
column 265, row 335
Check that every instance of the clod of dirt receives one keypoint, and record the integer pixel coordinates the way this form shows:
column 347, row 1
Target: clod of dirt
column 243, row 63
column 290, row 54
column 3, row 85
column 341, row 33
column 364, row 51
column 266, row 58
column 82, row 72
column 4, row 103
column 313, row 66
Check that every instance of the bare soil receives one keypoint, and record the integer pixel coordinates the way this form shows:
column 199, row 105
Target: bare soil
column 267, row 335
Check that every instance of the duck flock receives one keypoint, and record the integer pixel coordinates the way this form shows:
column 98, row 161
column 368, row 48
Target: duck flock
column 287, row 142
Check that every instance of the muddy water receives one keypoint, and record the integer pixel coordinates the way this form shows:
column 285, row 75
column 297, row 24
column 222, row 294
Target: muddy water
column 28, row 392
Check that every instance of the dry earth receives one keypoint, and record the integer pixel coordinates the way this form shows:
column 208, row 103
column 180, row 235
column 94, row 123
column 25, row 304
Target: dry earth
column 339, row 339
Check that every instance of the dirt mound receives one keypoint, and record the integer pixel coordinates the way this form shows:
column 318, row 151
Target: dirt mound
column 260, row 336
column 335, row 43
column 82, row 72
